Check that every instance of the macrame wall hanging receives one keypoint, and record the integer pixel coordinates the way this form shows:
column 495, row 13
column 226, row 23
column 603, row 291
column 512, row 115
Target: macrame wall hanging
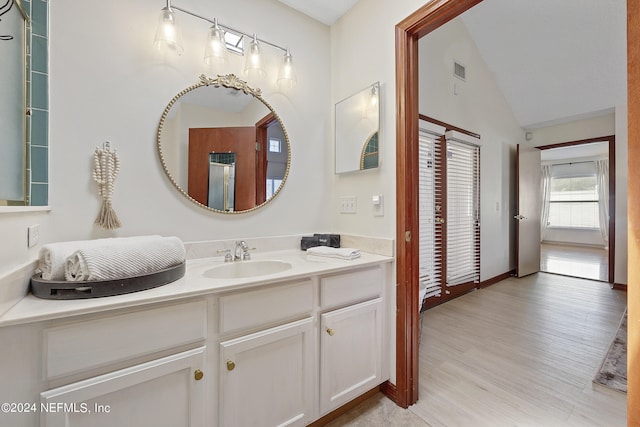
column 105, row 169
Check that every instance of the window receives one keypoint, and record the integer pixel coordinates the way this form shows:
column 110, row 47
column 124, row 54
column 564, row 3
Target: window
column 272, row 186
column 574, row 202
column 275, row 145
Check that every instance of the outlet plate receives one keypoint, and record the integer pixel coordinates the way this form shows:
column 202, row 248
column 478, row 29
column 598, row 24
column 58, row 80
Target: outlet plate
column 33, row 235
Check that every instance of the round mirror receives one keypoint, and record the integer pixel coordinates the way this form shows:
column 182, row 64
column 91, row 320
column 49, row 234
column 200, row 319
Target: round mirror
column 223, row 146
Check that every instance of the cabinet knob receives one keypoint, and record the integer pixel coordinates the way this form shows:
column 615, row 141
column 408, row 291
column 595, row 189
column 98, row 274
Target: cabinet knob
column 198, row 374
column 230, row 365
column 330, row 331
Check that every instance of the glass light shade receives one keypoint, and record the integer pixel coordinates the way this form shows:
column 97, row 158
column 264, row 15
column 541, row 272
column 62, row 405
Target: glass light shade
column 253, row 65
column 215, row 51
column 374, row 96
column 168, row 35
column 370, row 103
column 287, row 73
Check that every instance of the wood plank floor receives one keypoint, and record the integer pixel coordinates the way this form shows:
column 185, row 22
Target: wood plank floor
column 522, row 352
column 577, row 261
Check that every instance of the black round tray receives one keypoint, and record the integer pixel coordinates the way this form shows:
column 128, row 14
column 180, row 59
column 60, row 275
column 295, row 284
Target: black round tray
column 62, row 289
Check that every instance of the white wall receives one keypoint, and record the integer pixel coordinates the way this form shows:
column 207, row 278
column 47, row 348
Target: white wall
column 107, row 83
column 476, row 105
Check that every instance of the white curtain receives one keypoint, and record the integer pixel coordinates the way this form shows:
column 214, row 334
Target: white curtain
column 602, row 178
column 545, row 197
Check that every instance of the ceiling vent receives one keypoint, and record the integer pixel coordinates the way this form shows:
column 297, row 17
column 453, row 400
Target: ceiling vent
column 459, row 70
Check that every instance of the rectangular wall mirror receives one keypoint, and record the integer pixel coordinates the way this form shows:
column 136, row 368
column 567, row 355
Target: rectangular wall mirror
column 358, row 130
column 24, row 102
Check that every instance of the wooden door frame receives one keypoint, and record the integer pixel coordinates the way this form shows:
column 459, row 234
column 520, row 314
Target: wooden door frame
column 611, row 140
column 262, row 127
column 408, row 32
column 633, row 214
column 421, row 22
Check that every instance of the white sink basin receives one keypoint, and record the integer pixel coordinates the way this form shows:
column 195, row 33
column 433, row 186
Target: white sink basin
column 241, row 269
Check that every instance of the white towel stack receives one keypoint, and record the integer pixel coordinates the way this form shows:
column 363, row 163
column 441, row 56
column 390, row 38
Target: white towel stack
column 338, row 253
column 52, row 256
column 107, row 259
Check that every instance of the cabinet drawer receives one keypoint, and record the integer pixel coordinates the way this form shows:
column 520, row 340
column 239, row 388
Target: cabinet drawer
column 265, row 306
column 78, row 347
column 350, row 287
column 133, row 396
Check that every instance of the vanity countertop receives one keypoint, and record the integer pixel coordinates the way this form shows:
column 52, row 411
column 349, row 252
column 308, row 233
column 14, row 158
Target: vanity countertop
column 194, row 283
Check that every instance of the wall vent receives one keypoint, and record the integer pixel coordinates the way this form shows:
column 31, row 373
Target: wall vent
column 459, row 70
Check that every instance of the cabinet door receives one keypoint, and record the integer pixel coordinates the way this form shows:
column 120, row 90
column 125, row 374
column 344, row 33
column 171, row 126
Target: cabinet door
column 166, row 392
column 350, row 353
column 266, row 377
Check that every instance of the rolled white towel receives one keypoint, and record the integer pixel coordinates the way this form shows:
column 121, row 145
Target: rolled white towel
column 339, row 253
column 124, row 259
column 52, row 256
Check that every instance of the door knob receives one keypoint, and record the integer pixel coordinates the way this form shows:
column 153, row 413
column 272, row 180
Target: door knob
column 198, row 374
column 330, row 331
column 230, row 365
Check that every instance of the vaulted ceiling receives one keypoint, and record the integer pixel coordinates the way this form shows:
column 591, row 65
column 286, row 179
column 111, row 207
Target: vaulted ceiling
column 555, row 61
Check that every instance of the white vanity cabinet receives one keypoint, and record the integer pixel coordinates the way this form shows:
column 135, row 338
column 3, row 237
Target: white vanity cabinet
column 166, row 392
column 351, row 349
column 162, row 391
column 310, row 347
column 266, row 352
column 266, row 376
column 350, row 356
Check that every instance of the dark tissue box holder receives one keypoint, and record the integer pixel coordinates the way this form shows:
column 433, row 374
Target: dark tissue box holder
column 331, row 240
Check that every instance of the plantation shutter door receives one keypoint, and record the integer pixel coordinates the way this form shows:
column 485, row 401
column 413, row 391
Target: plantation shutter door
column 463, row 209
column 430, row 193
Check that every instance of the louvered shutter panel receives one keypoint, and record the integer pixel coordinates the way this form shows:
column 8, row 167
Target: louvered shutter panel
column 463, row 209
column 429, row 195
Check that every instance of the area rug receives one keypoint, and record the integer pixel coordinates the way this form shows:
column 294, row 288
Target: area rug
column 613, row 371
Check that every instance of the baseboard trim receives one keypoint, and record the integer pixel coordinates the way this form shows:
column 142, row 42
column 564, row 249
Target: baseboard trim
column 389, row 389
column 496, row 279
column 619, row 286
column 344, row 408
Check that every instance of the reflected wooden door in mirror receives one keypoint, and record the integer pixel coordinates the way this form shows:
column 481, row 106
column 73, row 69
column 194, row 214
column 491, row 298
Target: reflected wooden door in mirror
column 224, row 115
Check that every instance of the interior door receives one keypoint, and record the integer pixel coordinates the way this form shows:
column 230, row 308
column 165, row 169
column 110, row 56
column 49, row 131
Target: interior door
column 239, row 140
column 528, row 213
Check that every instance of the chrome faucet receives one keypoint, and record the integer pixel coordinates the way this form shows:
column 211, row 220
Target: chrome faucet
column 241, row 252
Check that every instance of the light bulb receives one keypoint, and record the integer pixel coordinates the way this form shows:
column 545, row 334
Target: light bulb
column 168, row 34
column 374, row 96
column 253, row 63
column 215, row 51
column 287, row 74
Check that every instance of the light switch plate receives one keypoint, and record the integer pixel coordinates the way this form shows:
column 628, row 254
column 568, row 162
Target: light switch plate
column 348, row 204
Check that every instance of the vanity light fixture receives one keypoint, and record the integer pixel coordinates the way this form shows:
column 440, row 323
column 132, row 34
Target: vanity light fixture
column 253, row 65
column 374, row 96
column 287, row 74
column 168, row 37
column 168, row 34
column 215, row 50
